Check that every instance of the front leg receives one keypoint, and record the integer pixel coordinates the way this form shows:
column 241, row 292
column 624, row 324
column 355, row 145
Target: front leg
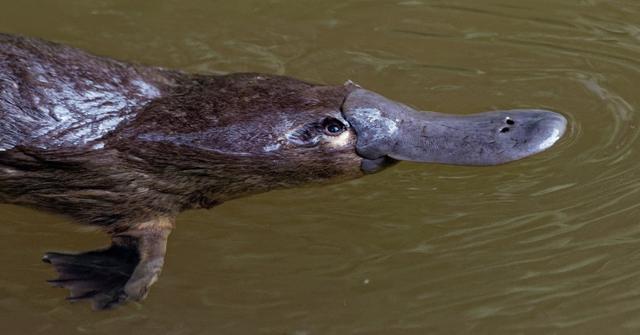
column 124, row 271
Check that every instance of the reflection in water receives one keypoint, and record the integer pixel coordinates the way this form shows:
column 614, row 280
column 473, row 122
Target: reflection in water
column 545, row 245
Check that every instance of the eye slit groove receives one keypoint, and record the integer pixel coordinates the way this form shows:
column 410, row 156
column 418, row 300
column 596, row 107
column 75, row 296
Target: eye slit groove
column 510, row 122
column 504, row 130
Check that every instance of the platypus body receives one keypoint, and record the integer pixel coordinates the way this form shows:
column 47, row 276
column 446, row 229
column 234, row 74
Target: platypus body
column 128, row 147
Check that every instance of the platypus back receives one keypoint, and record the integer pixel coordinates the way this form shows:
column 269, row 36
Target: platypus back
column 54, row 95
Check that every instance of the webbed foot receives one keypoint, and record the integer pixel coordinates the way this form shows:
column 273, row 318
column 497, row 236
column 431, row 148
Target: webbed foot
column 99, row 275
column 110, row 277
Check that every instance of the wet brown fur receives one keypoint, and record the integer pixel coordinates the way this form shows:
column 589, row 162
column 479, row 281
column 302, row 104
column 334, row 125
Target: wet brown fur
column 127, row 147
column 200, row 143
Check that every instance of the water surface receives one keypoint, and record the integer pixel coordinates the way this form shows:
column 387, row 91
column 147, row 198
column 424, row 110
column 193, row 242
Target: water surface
column 547, row 245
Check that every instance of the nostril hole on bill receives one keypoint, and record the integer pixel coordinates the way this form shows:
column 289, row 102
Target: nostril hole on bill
column 510, row 122
column 504, row 130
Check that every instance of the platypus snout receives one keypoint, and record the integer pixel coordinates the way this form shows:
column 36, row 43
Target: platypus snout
column 387, row 129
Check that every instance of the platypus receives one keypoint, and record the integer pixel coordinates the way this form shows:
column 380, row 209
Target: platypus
column 127, row 147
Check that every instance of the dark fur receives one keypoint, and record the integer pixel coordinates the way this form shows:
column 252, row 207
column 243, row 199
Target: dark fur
column 127, row 147
column 197, row 142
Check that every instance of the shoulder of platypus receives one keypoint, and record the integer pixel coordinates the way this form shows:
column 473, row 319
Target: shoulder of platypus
column 55, row 95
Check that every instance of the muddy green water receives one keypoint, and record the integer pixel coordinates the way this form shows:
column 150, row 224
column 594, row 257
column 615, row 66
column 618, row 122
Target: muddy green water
column 547, row 245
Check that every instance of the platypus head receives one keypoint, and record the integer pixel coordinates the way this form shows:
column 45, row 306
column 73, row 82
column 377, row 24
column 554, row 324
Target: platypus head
column 381, row 132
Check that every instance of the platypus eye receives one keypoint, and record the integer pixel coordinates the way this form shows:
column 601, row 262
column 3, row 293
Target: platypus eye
column 333, row 127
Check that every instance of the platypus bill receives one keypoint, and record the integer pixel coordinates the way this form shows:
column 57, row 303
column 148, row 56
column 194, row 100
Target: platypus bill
column 127, row 148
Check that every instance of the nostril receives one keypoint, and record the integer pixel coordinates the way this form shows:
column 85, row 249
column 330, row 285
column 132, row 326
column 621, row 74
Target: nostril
column 510, row 122
column 504, row 130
